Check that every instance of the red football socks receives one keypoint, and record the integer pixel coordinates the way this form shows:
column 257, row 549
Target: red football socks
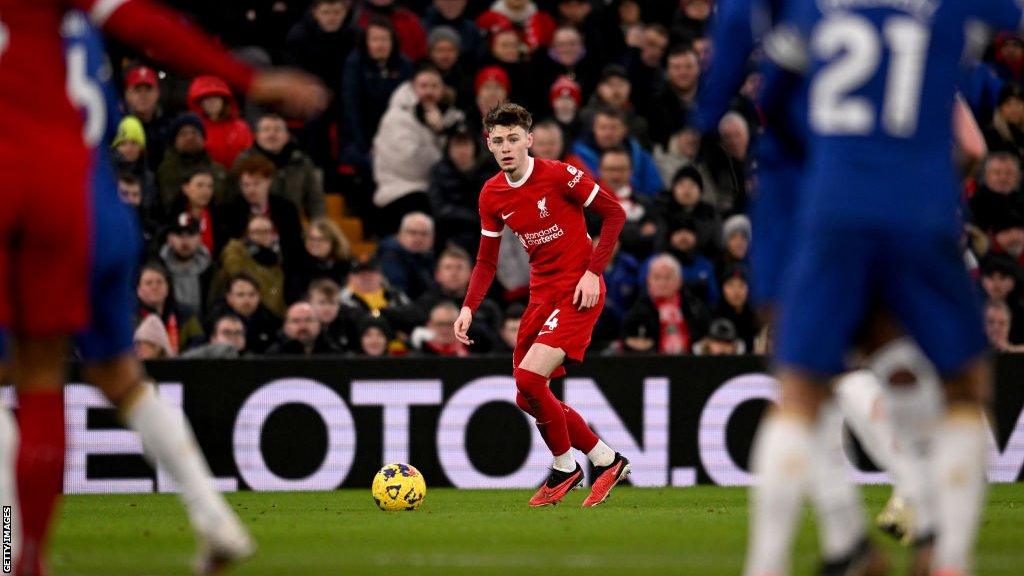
column 581, row 436
column 40, row 470
column 545, row 408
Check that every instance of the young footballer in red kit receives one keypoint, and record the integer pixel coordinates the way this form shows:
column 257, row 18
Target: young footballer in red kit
column 542, row 201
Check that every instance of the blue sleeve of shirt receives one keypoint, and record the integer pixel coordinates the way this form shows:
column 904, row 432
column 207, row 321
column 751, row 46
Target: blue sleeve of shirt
column 733, row 39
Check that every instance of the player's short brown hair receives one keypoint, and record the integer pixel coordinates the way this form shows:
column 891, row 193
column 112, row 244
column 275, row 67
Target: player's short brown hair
column 256, row 164
column 508, row 114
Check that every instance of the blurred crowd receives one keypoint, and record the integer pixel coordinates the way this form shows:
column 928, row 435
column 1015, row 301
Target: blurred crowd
column 246, row 257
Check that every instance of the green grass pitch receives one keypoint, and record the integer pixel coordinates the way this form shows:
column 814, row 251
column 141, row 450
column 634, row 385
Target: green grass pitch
column 692, row 531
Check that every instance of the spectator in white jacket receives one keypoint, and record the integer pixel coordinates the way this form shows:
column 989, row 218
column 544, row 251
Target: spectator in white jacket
column 409, row 141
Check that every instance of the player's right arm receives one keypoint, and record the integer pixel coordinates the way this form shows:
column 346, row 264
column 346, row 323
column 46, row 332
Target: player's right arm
column 149, row 26
column 483, row 272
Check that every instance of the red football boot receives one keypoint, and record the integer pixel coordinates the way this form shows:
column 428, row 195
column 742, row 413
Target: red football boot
column 557, row 486
column 606, row 479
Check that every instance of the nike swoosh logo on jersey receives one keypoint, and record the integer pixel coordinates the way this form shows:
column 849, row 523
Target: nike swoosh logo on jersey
column 507, row 216
column 544, row 332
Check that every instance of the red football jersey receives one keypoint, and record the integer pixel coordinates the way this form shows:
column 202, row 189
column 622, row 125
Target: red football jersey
column 545, row 211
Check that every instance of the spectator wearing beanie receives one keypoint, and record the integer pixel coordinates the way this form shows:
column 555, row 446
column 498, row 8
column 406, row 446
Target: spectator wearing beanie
column 444, row 52
column 412, row 40
column 565, row 97
column 187, row 154
column 129, row 154
column 374, row 339
column 614, row 89
column 453, row 15
column 736, row 234
column 1000, row 282
column 490, row 87
column 680, row 241
column 685, row 199
column 151, row 341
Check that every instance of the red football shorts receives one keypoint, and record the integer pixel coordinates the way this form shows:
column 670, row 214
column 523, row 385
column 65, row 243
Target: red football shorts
column 44, row 241
column 559, row 325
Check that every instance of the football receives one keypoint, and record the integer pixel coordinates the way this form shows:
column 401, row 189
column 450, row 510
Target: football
column 399, row 487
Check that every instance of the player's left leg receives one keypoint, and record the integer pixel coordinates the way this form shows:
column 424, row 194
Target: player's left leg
column 531, row 377
column 168, row 441
column 38, row 369
column 796, row 448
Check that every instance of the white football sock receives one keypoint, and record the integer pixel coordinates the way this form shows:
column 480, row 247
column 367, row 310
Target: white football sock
column 601, row 454
column 564, row 462
column 912, row 413
column 961, row 452
column 837, row 500
column 168, row 440
column 781, row 462
column 859, row 397
column 8, row 485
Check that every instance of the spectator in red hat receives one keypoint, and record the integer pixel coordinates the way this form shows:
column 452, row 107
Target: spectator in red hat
column 412, row 39
column 491, row 87
column 227, row 135
column 142, row 100
column 535, row 26
column 565, row 98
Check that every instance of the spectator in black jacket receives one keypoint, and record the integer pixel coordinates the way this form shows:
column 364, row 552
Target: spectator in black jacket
column 645, row 65
column 452, row 13
column 669, row 108
column 451, row 278
column 326, row 256
column 735, row 305
column 301, row 334
column 319, row 44
column 339, row 324
column 455, row 184
column 255, row 176
column 999, row 192
column 242, row 299
column 373, row 71
column 407, row 258
column 367, row 291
